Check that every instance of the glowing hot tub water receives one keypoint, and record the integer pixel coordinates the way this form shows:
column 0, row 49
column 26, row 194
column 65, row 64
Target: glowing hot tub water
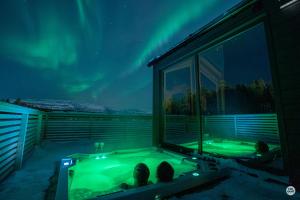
column 100, row 174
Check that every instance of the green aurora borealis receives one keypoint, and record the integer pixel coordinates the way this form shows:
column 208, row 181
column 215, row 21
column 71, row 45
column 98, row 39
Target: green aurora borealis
column 92, row 50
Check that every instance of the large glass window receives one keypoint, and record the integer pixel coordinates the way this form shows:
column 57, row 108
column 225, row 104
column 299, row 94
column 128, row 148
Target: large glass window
column 181, row 125
column 236, row 95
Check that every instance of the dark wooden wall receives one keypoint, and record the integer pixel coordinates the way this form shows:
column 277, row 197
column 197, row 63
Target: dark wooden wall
column 284, row 29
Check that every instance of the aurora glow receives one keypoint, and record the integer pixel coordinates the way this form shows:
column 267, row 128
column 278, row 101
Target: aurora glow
column 92, row 51
column 172, row 24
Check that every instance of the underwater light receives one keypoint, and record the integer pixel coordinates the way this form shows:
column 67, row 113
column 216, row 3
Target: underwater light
column 102, row 157
column 67, row 161
column 196, row 174
column 208, row 142
column 194, row 158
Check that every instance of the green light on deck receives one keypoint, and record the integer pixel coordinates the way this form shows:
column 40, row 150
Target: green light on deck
column 194, row 158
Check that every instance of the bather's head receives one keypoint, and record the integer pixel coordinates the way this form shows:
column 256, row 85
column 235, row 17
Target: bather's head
column 261, row 147
column 141, row 174
column 164, row 172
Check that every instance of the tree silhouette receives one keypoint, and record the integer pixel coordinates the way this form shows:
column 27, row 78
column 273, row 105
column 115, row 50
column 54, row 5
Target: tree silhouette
column 182, row 105
column 257, row 97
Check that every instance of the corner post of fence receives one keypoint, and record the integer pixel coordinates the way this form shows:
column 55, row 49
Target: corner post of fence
column 21, row 141
column 39, row 129
column 235, row 125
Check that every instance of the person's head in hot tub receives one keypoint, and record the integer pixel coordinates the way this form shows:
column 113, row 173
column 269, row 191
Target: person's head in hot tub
column 164, row 172
column 141, row 175
column 261, row 147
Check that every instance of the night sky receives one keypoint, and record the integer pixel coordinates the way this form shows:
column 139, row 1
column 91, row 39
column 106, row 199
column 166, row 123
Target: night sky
column 92, row 51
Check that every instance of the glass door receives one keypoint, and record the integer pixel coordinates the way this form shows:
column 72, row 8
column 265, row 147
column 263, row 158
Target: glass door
column 181, row 121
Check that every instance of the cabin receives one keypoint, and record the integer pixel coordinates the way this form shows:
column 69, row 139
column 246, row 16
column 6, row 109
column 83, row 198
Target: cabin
column 233, row 83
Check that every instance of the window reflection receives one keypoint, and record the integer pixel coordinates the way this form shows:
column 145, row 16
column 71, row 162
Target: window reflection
column 178, row 94
column 237, row 100
column 181, row 125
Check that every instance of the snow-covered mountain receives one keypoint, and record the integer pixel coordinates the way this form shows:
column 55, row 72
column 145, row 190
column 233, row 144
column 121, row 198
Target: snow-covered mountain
column 131, row 112
column 71, row 106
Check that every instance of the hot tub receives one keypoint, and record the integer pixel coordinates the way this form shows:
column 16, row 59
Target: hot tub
column 100, row 175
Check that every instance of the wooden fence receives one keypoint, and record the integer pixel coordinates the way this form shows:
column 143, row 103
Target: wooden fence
column 182, row 129
column 118, row 131
column 245, row 127
column 20, row 130
column 128, row 131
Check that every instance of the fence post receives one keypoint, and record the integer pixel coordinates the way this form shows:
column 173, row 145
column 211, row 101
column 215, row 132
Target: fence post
column 21, row 141
column 39, row 129
column 235, row 126
column 45, row 128
column 204, row 127
column 90, row 127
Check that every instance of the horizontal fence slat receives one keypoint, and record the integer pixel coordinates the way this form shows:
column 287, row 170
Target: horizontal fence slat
column 8, row 142
column 7, row 164
column 10, row 116
column 9, row 129
column 10, row 123
column 12, row 108
column 9, row 135
column 7, row 155
column 8, row 148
